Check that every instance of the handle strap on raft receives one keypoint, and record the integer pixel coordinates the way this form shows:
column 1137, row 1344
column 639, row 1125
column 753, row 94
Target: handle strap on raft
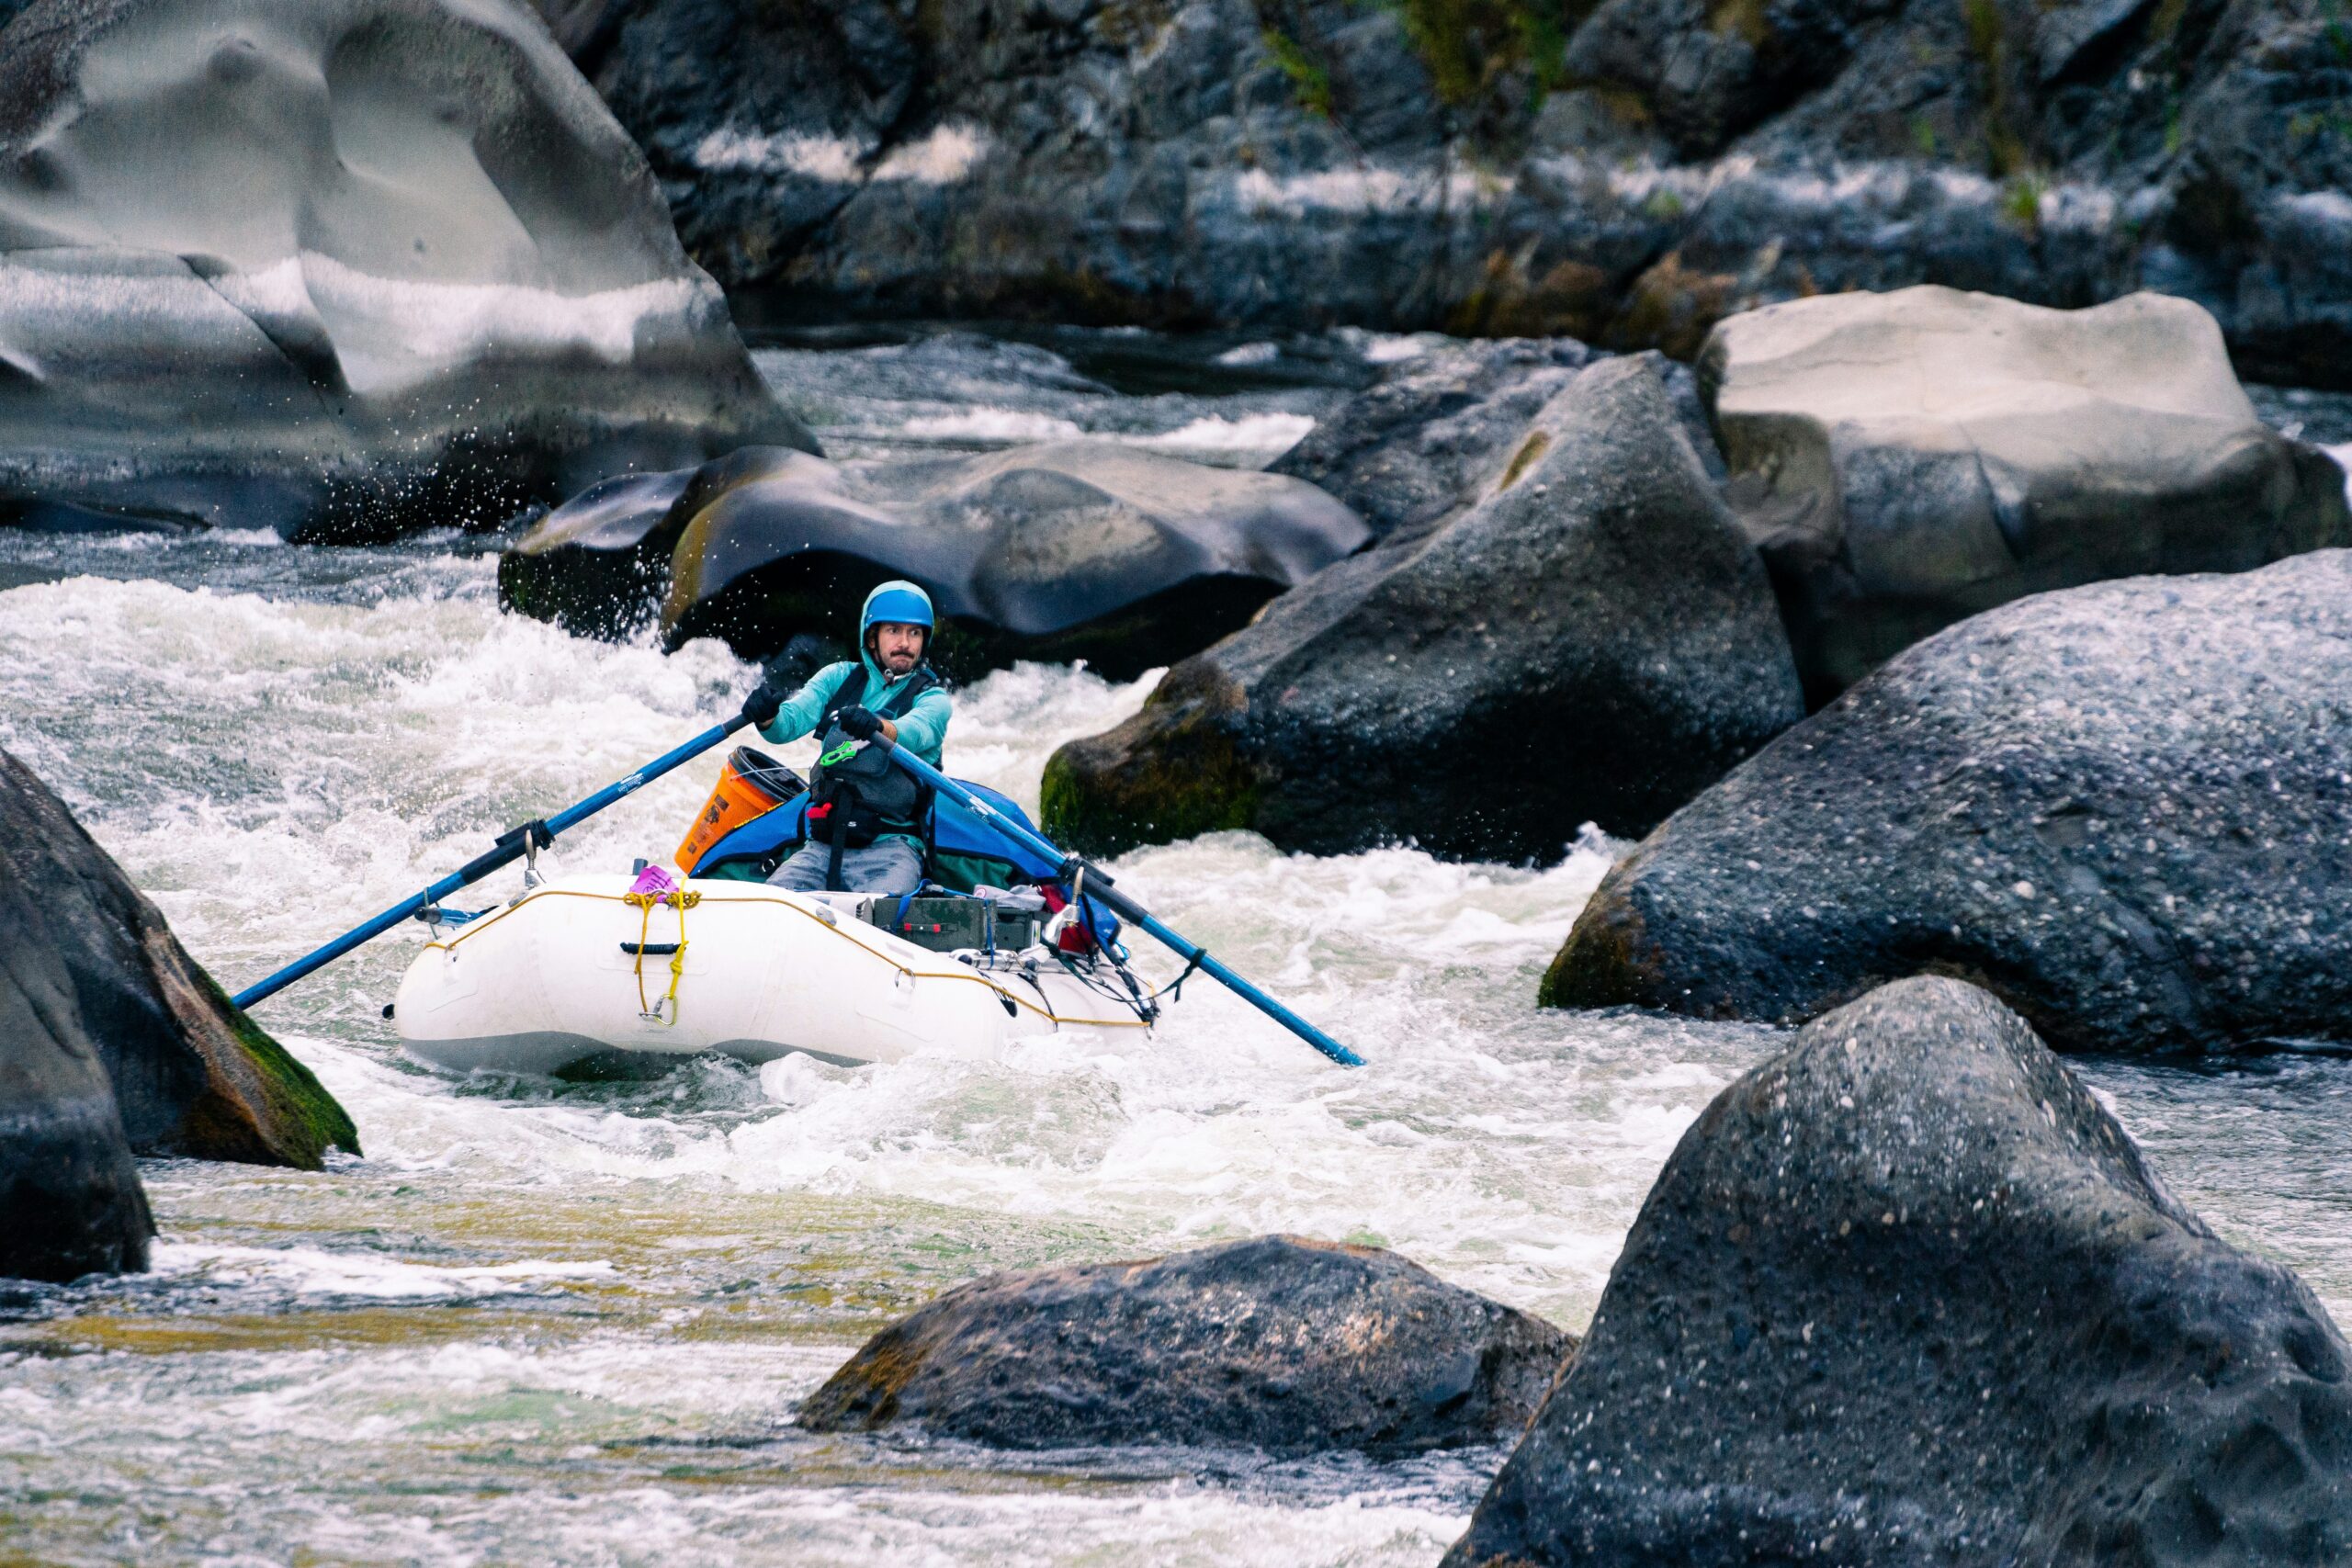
column 679, row 900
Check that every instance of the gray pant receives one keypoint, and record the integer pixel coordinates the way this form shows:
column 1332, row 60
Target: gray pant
column 885, row 866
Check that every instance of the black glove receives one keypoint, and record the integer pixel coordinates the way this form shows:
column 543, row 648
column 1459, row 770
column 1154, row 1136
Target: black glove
column 761, row 705
column 858, row 724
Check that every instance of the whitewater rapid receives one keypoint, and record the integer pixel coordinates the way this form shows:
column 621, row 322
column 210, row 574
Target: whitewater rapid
column 570, row 1320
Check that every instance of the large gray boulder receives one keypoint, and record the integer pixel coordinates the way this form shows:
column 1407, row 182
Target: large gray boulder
column 1906, row 460
column 1068, row 550
column 183, row 1070
column 1906, row 1294
column 1412, row 450
column 1592, row 641
column 1279, row 1343
column 337, row 266
column 2120, row 808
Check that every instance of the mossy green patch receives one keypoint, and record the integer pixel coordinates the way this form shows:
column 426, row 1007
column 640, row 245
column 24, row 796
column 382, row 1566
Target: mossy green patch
column 1175, row 771
column 303, row 1121
column 1469, row 45
column 1310, row 80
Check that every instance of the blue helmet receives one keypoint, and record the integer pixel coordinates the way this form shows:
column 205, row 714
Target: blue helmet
column 899, row 601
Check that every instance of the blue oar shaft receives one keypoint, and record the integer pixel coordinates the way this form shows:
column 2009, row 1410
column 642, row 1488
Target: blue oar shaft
column 510, row 848
column 1127, row 908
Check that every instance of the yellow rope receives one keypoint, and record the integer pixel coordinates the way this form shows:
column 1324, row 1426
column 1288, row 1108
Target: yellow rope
column 681, row 901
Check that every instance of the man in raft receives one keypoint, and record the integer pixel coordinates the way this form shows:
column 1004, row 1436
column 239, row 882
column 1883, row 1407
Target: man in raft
column 865, row 815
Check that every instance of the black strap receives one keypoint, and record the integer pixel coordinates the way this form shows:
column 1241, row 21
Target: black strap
column 834, row 856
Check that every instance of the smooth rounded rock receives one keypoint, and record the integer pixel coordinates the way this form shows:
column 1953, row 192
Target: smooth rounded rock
column 1282, row 1344
column 2121, row 809
column 337, row 267
column 1906, row 460
column 185, row 1072
column 1906, row 1294
column 1068, row 550
column 1592, row 641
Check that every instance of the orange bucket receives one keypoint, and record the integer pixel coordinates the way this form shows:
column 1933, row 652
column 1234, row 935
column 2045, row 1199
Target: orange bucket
column 751, row 785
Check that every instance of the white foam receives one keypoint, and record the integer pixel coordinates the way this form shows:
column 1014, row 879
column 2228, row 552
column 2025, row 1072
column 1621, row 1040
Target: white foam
column 1250, row 354
column 2343, row 456
column 309, row 1271
column 1272, row 433
column 1391, row 348
column 992, row 424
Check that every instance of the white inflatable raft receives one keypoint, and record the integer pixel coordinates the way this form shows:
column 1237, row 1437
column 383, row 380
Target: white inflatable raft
column 580, row 966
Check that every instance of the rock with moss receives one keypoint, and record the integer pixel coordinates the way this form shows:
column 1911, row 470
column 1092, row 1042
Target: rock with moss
column 1904, row 461
column 1591, row 640
column 188, row 1073
column 1906, row 1294
column 1280, row 1343
column 1067, row 550
column 2120, row 808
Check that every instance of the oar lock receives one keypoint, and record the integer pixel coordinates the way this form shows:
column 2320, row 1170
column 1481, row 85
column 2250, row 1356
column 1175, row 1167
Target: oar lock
column 535, row 835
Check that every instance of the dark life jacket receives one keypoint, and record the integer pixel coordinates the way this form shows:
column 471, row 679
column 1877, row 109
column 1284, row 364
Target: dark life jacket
column 857, row 800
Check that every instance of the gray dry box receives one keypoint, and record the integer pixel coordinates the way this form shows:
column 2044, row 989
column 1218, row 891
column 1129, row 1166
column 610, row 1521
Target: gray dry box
column 950, row 924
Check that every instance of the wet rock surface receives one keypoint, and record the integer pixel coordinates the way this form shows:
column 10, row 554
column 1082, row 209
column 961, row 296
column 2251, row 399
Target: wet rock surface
column 336, row 267
column 2121, row 809
column 1278, row 1343
column 1906, row 460
column 184, row 1071
column 1626, row 174
column 1066, row 550
column 1593, row 640
column 1907, row 1293
column 71, row 1202
column 1413, row 450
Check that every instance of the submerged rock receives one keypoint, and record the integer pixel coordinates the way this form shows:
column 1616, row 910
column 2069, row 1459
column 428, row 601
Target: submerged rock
column 337, row 266
column 1280, row 1343
column 1906, row 1294
column 1069, row 550
column 2120, row 808
column 188, row 1073
column 1591, row 640
column 1906, row 460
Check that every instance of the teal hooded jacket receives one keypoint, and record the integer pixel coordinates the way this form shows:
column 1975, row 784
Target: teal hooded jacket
column 922, row 729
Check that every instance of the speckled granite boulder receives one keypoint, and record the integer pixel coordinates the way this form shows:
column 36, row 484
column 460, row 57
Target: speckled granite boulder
column 2123, row 809
column 1279, row 1343
column 1905, row 1295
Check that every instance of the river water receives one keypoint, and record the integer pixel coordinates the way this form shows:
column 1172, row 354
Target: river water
column 569, row 1322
